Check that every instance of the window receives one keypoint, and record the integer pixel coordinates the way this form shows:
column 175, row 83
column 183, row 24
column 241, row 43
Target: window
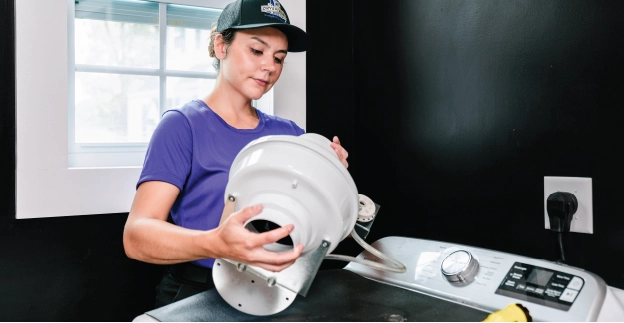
column 44, row 74
column 133, row 60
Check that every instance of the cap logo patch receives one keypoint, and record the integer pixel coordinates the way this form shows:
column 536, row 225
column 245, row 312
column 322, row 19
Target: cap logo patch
column 274, row 10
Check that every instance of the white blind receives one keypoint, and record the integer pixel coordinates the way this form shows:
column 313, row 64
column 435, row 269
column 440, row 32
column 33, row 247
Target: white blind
column 192, row 17
column 144, row 12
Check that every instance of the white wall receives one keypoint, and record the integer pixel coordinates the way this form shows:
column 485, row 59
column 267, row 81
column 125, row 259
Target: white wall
column 290, row 90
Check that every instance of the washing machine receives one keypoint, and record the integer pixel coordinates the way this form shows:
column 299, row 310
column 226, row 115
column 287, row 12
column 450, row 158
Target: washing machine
column 443, row 282
column 490, row 280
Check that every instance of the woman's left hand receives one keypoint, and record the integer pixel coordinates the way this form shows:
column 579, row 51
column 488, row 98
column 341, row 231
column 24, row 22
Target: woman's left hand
column 341, row 152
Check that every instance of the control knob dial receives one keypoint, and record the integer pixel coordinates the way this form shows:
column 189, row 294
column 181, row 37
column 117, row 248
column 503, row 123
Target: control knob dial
column 460, row 267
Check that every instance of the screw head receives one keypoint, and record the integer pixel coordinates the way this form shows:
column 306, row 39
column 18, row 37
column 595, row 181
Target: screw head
column 271, row 281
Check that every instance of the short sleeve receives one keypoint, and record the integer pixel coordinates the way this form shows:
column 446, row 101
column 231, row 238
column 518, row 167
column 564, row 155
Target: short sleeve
column 170, row 151
column 299, row 131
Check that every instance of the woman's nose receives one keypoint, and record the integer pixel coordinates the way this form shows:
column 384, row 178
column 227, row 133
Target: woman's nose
column 269, row 65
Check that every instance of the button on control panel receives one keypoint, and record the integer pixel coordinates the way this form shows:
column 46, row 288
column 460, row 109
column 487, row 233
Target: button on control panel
column 576, row 283
column 568, row 295
column 541, row 286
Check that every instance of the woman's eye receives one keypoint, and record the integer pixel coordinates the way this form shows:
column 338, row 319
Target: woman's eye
column 278, row 61
column 255, row 51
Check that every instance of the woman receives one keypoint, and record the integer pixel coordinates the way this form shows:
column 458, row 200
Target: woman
column 190, row 153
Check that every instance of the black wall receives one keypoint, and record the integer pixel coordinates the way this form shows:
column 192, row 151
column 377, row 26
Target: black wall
column 60, row 269
column 330, row 105
column 462, row 107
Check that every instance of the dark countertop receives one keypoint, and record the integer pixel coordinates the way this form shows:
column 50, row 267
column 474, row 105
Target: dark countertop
column 335, row 295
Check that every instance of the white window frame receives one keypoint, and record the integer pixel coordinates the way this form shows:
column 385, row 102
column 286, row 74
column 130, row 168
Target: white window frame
column 129, row 153
column 45, row 185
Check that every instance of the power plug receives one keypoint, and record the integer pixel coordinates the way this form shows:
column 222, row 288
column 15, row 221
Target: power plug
column 581, row 187
column 560, row 207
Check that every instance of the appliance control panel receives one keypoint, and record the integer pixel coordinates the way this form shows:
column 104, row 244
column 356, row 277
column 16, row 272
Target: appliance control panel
column 489, row 280
column 539, row 285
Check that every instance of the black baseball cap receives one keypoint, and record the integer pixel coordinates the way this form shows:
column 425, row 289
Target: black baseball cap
column 248, row 14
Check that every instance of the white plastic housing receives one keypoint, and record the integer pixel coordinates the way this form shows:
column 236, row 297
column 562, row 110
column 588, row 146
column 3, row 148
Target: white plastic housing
column 299, row 180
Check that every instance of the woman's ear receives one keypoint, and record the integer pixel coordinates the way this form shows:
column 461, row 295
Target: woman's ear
column 220, row 47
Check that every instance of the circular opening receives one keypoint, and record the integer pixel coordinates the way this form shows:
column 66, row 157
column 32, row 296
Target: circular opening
column 261, row 226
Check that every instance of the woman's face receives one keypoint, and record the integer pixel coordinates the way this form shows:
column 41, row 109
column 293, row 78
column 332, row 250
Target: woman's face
column 254, row 60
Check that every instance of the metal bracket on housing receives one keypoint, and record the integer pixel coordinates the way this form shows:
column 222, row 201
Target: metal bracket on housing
column 297, row 278
column 256, row 291
column 363, row 228
column 230, row 207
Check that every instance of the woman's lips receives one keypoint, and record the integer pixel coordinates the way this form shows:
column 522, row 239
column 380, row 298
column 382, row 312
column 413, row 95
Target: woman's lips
column 261, row 82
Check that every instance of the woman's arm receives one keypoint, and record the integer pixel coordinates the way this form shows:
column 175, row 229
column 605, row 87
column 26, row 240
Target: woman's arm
column 150, row 238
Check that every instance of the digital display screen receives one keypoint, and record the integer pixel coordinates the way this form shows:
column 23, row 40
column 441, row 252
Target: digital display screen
column 539, row 277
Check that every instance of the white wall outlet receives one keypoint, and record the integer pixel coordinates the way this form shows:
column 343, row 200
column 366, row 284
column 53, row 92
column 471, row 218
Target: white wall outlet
column 581, row 187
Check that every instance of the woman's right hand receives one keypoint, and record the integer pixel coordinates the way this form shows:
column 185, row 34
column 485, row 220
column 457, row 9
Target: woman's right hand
column 235, row 242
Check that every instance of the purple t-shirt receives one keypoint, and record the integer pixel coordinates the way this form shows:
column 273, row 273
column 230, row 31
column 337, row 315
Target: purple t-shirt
column 193, row 148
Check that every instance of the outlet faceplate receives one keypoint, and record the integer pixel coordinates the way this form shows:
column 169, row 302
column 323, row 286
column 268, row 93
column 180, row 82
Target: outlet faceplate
column 581, row 187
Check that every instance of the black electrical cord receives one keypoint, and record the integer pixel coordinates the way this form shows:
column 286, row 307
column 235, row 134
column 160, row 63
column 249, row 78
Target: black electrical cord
column 560, row 207
column 560, row 238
